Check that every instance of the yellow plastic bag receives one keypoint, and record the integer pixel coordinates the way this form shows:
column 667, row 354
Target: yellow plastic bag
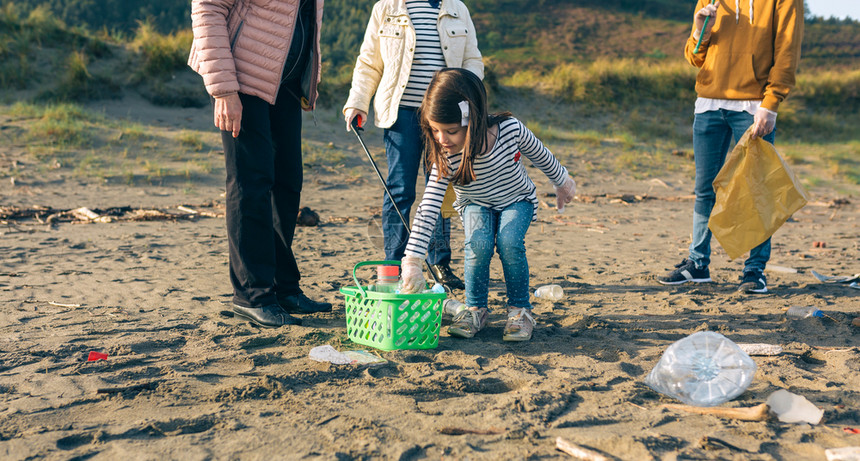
column 756, row 194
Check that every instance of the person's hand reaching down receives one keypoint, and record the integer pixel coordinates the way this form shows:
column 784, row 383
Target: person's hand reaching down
column 411, row 274
column 565, row 193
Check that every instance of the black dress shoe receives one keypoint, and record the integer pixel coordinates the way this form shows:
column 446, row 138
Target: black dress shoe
column 271, row 316
column 446, row 276
column 301, row 304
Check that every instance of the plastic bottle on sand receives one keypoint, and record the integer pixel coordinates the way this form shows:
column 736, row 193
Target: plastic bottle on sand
column 802, row 312
column 704, row 369
column 550, row 292
column 451, row 307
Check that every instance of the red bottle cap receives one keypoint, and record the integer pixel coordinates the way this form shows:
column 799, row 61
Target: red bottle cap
column 387, row 271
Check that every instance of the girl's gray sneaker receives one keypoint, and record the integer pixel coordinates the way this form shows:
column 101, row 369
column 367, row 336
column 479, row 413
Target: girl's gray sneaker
column 468, row 322
column 520, row 325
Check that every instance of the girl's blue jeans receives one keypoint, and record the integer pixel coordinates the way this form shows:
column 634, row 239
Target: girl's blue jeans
column 713, row 133
column 489, row 230
column 404, row 148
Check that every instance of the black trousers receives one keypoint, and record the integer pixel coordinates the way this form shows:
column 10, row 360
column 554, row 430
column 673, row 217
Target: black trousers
column 264, row 184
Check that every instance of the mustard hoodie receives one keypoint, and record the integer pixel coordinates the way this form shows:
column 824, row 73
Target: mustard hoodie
column 752, row 52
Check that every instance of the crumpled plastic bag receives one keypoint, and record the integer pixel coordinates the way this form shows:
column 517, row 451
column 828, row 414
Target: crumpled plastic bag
column 756, row 193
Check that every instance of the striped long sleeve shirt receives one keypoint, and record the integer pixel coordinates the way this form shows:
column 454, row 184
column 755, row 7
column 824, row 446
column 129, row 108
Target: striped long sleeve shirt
column 428, row 57
column 500, row 180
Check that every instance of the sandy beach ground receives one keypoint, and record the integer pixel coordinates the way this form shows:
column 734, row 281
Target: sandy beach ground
column 184, row 381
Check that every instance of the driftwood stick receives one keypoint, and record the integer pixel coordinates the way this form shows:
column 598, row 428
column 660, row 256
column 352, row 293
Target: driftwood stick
column 583, row 454
column 756, row 413
column 63, row 304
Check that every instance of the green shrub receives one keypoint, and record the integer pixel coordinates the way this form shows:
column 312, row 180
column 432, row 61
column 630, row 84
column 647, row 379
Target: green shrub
column 78, row 84
column 622, row 81
column 44, row 28
column 161, row 54
column 190, row 140
column 64, row 125
column 830, row 90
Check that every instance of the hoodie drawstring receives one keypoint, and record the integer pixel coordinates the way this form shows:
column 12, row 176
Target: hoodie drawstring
column 738, row 11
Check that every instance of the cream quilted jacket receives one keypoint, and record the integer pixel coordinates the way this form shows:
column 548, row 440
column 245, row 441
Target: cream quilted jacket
column 242, row 45
column 385, row 59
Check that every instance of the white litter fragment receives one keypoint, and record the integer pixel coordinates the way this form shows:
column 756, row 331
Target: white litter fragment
column 775, row 268
column 835, row 278
column 329, row 354
column 793, row 408
column 84, row 213
column 843, row 454
column 760, row 348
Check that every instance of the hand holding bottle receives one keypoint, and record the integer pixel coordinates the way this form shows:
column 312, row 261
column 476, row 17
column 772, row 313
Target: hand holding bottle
column 411, row 274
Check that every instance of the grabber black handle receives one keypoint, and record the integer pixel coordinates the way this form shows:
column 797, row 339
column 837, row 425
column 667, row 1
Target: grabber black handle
column 357, row 122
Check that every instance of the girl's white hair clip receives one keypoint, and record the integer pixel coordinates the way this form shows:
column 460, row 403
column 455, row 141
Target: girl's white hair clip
column 464, row 113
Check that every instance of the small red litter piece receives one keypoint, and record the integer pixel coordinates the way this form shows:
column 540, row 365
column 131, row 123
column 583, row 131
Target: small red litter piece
column 96, row 356
column 851, row 430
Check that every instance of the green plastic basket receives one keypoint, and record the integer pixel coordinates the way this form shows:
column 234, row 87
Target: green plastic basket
column 391, row 321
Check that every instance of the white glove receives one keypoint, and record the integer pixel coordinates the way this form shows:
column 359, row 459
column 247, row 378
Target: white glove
column 412, row 275
column 353, row 113
column 764, row 122
column 565, row 193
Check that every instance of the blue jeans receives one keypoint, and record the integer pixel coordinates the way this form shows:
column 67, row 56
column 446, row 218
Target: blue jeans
column 713, row 133
column 404, row 148
column 487, row 230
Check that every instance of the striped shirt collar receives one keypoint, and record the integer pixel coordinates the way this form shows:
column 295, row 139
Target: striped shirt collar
column 398, row 8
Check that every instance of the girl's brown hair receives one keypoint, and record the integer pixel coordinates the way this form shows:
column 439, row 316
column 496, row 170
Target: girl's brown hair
column 441, row 105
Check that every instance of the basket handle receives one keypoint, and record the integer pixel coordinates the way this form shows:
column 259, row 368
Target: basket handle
column 370, row 263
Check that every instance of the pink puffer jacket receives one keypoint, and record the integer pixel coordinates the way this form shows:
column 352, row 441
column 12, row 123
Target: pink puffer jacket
column 241, row 46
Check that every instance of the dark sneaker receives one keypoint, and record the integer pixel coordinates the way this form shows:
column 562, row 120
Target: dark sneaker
column 753, row 282
column 685, row 272
column 446, row 276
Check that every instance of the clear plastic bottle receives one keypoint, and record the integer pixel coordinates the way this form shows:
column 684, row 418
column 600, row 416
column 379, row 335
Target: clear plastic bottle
column 704, row 369
column 451, row 307
column 802, row 312
column 387, row 279
column 550, row 292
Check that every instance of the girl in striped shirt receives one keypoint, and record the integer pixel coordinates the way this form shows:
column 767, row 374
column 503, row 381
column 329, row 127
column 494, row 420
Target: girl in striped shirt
column 406, row 42
column 481, row 154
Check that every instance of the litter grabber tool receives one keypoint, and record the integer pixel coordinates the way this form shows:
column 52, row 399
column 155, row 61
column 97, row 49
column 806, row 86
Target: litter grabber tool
column 702, row 32
column 356, row 128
